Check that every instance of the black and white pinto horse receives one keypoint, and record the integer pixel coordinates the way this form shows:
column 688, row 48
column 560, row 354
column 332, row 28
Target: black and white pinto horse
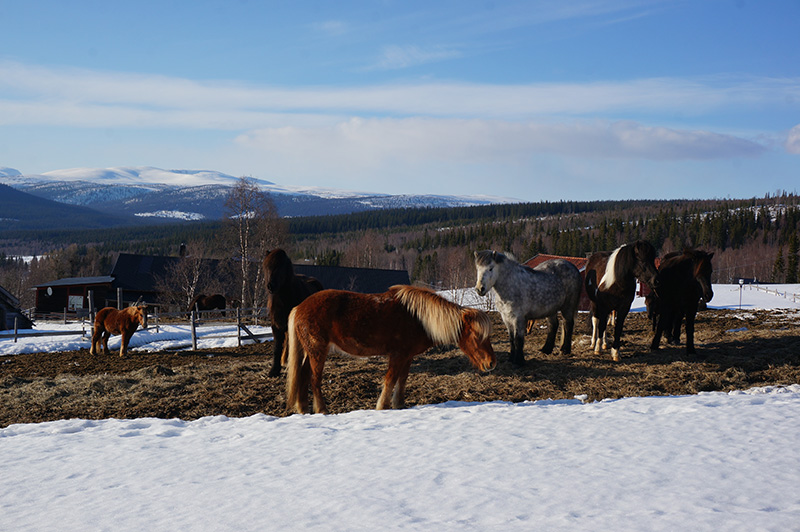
column 611, row 287
column 525, row 293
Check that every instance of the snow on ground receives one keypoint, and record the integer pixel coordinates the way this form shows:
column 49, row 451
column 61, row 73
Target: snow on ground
column 712, row 461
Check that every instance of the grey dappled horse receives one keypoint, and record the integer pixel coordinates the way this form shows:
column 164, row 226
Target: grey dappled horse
column 525, row 293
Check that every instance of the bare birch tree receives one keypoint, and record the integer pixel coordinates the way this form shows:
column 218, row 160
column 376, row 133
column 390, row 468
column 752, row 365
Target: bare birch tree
column 256, row 227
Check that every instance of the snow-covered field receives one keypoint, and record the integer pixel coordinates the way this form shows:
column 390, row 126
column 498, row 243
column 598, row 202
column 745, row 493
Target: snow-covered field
column 713, row 461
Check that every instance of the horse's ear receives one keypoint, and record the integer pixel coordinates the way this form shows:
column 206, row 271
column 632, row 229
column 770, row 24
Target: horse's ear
column 710, row 255
column 476, row 254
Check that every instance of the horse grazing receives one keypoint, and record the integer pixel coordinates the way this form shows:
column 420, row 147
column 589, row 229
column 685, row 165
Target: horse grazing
column 611, row 285
column 683, row 279
column 399, row 324
column 110, row 321
column 286, row 289
column 204, row 302
column 525, row 293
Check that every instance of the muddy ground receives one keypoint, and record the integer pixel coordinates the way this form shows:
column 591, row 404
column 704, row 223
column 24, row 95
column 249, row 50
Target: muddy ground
column 736, row 350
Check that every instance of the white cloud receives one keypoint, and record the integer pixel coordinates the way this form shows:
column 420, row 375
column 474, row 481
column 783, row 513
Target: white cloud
column 793, row 140
column 28, row 90
column 378, row 142
column 396, row 57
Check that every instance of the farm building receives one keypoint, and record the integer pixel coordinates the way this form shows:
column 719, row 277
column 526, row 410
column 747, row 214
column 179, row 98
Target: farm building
column 139, row 275
column 10, row 312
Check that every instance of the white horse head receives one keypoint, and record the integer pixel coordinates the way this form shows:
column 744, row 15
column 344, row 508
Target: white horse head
column 486, row 264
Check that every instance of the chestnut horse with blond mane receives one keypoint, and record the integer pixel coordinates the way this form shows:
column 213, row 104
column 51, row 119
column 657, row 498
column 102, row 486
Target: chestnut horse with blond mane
column 110, row 321
column 399, row 324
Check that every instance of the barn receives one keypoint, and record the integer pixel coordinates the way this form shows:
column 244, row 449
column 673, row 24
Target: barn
column 138, row 275
column 10, row 312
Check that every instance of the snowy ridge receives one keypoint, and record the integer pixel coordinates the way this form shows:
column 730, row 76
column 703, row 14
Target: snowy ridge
column 142, row 191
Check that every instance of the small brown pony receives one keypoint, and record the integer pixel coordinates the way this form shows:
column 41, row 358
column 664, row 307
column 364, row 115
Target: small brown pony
column 112, row 321
column 400, row 324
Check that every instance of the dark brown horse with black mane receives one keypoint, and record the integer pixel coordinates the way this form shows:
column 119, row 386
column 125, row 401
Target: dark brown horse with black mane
column 611, row 285
column 683, row 279
column 110, row 321
column 286, row 289
column 204, row 302
column 399, row 324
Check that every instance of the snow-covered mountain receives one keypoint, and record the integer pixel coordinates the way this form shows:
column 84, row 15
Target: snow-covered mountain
column 148, row 192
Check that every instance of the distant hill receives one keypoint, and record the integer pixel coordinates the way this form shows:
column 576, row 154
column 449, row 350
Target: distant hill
column 152, row 193
column 22, row 211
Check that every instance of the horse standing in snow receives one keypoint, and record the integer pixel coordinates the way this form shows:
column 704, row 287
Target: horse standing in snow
column 286, row 289
column 399, row 324
column 525, row 293
column 611, row 286
column 110, row 321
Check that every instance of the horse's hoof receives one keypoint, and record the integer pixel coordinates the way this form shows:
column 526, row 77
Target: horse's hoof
column 274, row 372
column 615, row 355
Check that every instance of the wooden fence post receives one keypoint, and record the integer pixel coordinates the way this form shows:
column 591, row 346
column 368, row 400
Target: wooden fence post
column 194, row 332
column 119, row 298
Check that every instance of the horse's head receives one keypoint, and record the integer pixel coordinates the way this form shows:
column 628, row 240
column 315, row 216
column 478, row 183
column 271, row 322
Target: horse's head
column 278, row 269
column 645, row 264
column 475, row 339
column 486, row 266
column 702, row 273
column 138, row 312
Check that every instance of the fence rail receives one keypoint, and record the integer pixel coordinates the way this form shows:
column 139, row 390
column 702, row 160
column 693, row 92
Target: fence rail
column 195, row 321
column 785, row 294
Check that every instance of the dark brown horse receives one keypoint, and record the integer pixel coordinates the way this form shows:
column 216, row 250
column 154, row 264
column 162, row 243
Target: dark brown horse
column 204, row 302
column 399, row 324
column 110, row 321
column 611, row 285
column 286, row 289
column 683, row 280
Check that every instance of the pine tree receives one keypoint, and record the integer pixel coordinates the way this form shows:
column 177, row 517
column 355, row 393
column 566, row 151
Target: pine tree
column 791, row 263
column 778, row 267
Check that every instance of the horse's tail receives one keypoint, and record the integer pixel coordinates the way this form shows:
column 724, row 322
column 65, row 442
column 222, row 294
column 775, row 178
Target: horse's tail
column 591, row 284
column 293, row 358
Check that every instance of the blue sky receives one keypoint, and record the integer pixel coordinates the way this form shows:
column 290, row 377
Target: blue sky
column 536, row 100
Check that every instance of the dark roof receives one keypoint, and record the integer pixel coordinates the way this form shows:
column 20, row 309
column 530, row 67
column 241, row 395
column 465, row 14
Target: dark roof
column 72, row 281
column 140, row 272
column 365, row 280
column 579, row 262
column 8, row 297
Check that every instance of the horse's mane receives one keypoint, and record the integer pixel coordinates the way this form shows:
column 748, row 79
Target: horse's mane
column 441, row 319
column 615, row 268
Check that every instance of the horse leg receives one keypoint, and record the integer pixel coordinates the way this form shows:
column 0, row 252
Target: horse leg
column 277, row 351
column 106, row 336
column 96, row 335
column 619, row 323
column 393, row 373
column 316, row 363
column 662, row 320
column 552, row 330
column 123, row 344
column 399, row 395
column 566, row 339
column 599, row 325
column 595, row 345
column 690, row 333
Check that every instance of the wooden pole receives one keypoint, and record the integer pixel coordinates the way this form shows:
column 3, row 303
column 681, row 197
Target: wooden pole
column 194, row 332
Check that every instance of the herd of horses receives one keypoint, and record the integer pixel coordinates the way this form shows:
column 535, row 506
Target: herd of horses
column 309, row 322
